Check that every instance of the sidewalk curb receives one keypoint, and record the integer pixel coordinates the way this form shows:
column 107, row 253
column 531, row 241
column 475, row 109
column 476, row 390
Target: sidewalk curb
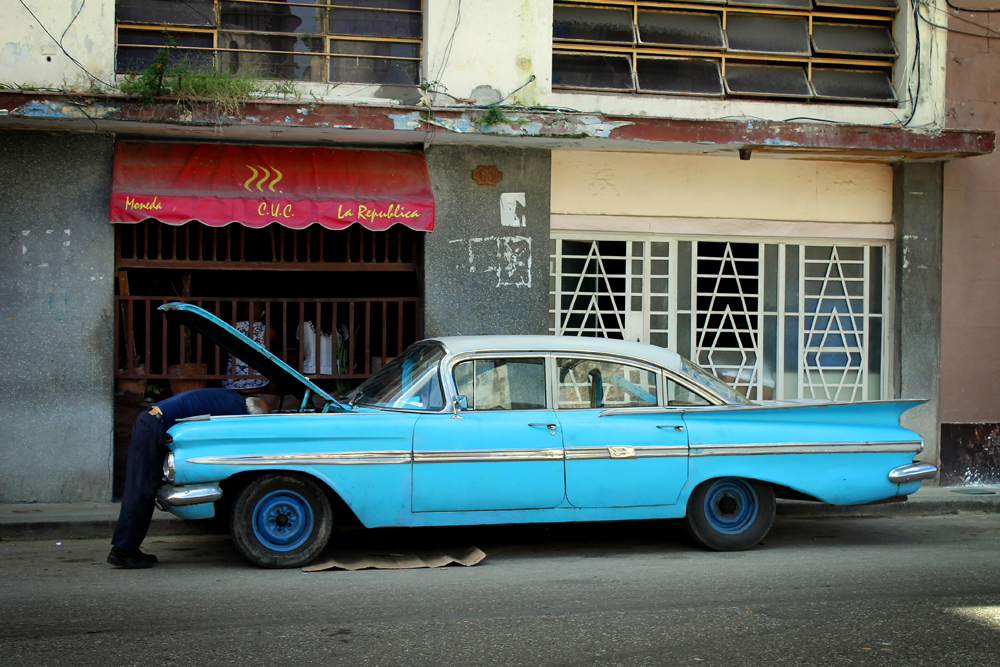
column 86, row 528
column 912, row 507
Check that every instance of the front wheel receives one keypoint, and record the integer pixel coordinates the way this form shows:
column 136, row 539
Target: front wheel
column 729, row 513
column 281, row 520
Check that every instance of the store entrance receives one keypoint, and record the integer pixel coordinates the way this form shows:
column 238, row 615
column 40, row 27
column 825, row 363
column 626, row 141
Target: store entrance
column 335, row 305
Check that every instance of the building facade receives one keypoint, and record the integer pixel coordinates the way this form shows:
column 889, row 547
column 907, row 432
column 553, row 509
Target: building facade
column 768, row 188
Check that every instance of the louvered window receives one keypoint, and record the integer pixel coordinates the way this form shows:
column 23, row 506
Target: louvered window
column 827, row 50
column 344, row 41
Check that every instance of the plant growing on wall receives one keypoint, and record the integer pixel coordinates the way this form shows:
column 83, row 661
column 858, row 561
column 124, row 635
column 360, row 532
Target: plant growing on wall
column 190, row 83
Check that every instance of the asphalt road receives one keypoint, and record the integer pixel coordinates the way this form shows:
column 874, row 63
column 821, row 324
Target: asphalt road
column 904, row 591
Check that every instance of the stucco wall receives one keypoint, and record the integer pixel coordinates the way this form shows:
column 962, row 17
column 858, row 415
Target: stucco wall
column 30, row 56
column 56, row 300
column 650, row 184
column 970, row 339
column 482, row 276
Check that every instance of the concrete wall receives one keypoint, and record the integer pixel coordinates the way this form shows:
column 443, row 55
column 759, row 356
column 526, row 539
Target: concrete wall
column 486, row 264
column 56, row 301
column 917, row 205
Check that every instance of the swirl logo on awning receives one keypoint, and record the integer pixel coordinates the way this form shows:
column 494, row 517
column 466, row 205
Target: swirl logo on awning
column 264, row 174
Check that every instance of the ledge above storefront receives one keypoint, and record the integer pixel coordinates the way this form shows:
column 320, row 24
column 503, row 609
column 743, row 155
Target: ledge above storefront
column 396, row 125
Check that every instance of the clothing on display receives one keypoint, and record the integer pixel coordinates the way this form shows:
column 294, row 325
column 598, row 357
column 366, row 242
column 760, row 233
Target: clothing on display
column 255, row 379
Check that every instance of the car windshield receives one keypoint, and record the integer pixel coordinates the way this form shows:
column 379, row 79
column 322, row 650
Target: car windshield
column 409, row 382
column 706, row 379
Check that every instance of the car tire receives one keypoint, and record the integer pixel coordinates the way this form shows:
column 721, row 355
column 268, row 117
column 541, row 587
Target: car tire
column 730, row 513
column 281, row 520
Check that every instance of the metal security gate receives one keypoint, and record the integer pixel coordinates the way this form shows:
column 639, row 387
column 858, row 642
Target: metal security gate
column 775, row 319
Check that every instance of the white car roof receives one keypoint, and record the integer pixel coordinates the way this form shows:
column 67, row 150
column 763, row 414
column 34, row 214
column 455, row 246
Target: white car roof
column 651, row 353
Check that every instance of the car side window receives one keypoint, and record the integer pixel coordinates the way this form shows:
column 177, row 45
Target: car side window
column 589, row 383
column 502, row 384
column 679, row 395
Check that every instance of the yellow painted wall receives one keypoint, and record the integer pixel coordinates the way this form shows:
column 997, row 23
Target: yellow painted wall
column 698, row 186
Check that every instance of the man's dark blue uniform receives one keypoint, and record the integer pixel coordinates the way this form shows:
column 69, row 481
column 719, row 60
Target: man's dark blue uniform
column 145, row 465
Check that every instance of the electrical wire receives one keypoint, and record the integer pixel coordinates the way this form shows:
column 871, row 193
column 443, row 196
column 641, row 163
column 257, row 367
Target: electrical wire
column 970, row 9
column 63, row 35
column 963, row 20
column 512, row 93
column 989, row 34
column 59, row 44
column 914, row 97
column 446, row 56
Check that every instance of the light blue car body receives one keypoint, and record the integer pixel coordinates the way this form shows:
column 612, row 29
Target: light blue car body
column 410, row 467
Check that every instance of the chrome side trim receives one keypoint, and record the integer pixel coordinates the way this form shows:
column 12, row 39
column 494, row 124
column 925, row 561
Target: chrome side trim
column 912, row 472
column 587, row 453
column 310, row 458
column 484, row 456
column 188, row 495
column 745, row 449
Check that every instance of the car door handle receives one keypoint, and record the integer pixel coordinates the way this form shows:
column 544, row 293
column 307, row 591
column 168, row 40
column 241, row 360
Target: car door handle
column 676, row 428
column 551, row 427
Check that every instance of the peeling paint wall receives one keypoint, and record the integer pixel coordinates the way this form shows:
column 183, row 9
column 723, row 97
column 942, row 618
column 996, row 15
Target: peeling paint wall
column 501, row 44
column 646, row 184
column 56, row 301
column 479, row 49
column 496, row 43
column 32, row 57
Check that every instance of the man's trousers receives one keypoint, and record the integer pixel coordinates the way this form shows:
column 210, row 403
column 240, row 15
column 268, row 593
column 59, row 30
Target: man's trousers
column 142, row 477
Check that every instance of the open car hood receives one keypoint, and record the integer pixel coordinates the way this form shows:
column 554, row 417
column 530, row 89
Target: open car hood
column 255, row 355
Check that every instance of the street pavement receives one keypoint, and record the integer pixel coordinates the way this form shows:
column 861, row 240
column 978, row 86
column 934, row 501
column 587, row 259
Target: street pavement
column 38, row 521
column 904, row 590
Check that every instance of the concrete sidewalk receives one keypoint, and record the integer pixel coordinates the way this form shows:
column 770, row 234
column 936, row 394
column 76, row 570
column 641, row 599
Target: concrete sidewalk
column 38, row 521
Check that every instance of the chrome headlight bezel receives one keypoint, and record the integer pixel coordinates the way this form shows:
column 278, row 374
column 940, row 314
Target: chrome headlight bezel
column 169, row 472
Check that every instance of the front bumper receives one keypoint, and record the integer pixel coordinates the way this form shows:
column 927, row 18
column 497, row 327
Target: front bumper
column 912, row 472
column 195, row 494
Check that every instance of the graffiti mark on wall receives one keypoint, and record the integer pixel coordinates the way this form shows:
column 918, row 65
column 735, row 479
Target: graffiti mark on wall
column 508, row 257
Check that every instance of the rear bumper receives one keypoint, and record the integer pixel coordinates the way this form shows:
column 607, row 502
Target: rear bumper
column 912, row 472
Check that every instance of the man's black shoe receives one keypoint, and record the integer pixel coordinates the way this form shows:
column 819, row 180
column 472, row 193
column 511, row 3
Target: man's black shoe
column 131, row 560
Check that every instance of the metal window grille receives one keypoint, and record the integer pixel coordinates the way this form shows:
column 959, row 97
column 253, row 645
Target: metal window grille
column 775, row 320
column 346, row 41
column 777, row 49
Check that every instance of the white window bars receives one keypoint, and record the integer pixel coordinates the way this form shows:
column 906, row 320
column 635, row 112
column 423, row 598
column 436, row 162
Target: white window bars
column 776, row 320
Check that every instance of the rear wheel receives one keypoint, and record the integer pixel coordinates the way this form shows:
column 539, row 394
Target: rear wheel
column 281, row 520
column 730, row 513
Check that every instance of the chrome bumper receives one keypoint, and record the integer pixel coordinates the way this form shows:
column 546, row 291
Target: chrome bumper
column 196, row 494
column 912, row 472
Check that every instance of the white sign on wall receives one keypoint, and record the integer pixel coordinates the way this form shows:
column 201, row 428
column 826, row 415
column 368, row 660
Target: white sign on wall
column 512, row 209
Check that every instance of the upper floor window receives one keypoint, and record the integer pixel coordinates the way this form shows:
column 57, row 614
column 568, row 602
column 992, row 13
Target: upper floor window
column 343, row 41
column 824, row 50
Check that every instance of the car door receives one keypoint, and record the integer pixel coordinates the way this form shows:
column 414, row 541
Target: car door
column 625, row 445
column 502, row 453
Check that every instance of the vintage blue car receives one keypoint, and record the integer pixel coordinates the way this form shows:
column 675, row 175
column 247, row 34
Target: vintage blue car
column 474, row 430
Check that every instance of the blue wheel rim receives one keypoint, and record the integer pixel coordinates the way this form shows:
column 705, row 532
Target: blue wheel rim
column 282, row 520
column 730, row 506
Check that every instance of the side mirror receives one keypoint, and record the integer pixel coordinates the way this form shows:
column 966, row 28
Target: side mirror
column 459, row 403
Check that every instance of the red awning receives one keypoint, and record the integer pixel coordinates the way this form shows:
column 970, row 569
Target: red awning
column 256, row 185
